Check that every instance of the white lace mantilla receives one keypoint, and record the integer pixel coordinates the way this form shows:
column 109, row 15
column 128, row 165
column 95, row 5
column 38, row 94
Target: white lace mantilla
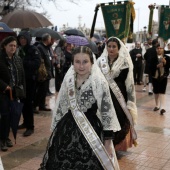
column 123, row 61
column 95, row 89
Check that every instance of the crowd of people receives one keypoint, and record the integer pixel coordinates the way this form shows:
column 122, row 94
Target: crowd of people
column 95, row 111
column 151, row 67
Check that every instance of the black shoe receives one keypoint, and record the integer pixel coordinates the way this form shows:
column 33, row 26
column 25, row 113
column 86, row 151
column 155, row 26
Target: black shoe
column 156, row 108
column 44, row 109
column 22, row 126
column 36, row 111
column 150, row 93
column 162, row 111
column 49, row 94
column 28, row 132
column 139, row 83
column 9, row 143
column 4, row 147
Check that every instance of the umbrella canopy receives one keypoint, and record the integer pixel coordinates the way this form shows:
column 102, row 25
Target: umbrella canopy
column 38, row 32
column 15, row 114
column 5, row 28
column 92, row 45
column 76, row 40
column 97, row 37
column 5, row 31
column 25, row 19
column 74, row 32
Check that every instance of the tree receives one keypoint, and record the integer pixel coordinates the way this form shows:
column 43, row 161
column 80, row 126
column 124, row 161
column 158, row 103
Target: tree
column 10, row 5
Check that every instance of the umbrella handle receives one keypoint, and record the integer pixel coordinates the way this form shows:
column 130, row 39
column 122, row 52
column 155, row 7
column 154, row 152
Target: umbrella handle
column 10, row 94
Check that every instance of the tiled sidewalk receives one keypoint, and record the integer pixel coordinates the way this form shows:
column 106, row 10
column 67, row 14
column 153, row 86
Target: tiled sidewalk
column 152, row 152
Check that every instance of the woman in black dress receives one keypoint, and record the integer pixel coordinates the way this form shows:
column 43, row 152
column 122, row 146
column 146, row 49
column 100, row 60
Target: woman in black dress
column 159, row 67
column 116, row 65
column 81, row 138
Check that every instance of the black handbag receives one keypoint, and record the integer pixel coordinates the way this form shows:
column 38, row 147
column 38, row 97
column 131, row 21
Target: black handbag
column 19, row 91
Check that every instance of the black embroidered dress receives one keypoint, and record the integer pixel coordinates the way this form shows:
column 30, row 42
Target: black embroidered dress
column 67, row 147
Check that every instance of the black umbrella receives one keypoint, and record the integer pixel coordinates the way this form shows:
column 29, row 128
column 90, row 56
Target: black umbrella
column 97, row 37
column 92, row 45
column 15, row 114
column 38, row 32
column 74, row 32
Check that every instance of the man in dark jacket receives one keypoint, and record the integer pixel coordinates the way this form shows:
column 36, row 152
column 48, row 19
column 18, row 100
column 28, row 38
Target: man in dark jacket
column 150, row 53
column 68, row 58
column 136, row 55
column 42, row 87
column 31, row 62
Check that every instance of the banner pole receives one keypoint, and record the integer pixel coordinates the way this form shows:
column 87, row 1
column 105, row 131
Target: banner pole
column 94, row 20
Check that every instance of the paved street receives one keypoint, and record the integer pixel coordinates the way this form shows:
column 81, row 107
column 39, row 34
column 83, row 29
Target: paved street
column 152, row 152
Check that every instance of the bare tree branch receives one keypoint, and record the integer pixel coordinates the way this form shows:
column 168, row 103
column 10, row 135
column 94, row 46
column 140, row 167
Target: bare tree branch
column 32, row 4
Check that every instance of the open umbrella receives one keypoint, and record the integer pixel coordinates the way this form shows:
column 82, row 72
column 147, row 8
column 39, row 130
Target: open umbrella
column 74, row 32
column 92, row 45
column 97, row 37
column 25, row 19
column 5, row 31
column 15, row 114
column 5, row 28
column 76, row 40
column 38, row 32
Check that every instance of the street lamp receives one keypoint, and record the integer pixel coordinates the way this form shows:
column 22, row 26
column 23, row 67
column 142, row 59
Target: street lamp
column 144, row 33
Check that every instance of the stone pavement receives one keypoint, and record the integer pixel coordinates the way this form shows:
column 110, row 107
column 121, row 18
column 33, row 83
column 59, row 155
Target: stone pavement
column 152, row 152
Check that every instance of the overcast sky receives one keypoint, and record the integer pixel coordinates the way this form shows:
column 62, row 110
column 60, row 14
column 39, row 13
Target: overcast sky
column 68, row 13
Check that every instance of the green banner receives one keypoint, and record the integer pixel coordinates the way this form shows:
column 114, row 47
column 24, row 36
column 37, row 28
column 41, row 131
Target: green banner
column 164, row 23
column 117, row 19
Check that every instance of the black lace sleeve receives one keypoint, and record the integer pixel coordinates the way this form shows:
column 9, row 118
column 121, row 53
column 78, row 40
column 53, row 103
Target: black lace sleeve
column 108, row 134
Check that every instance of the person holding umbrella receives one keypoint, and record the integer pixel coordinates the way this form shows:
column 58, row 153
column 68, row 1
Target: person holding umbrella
column 11, row 72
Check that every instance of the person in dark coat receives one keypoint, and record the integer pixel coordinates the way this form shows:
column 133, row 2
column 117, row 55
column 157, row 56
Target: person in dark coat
column 159, row 68
column 42, row 87
column 68, row 58
column 148, row 59
column 145, row 76
column 11, row 74
column 136, row 55
column 52, row 55
column 31, row 62
column 58, row 64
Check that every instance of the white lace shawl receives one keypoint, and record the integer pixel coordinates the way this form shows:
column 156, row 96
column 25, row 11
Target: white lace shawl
column 123, row 61
column 100, row 88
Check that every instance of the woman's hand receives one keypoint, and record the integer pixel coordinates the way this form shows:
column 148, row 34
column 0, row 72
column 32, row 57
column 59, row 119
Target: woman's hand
column 160, row 65
column 109, row 147
column 163, row 61
column 58, row 65
column 8, row 88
